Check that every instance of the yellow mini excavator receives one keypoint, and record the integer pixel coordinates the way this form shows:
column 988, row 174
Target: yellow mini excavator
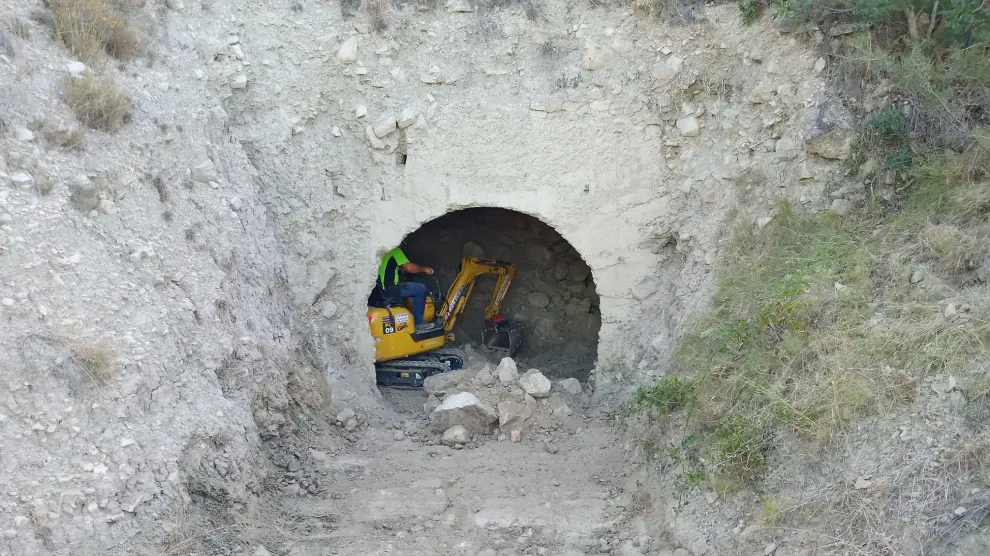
column 404, row 357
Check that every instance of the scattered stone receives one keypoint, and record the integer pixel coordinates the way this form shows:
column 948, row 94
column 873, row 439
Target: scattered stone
column 950, row 311
column 960, row 511
column 261, row 551
column 361, row 111
column 461, row 6
column 328, row 309
column 431, row 404
column 513, row 414
column 205, row 172
column 688, row 126
column 239, row 82
column 770, row 549
column 345, row 415
column 763, row 221
column 373, row 138
column 535, row 384
column 830, row 131
column 538, row 299
column 820, row 65
column 336, row 131
column 862, row 483
column 385, row 125
column 571, row 386
column 917, row 276
column 23, row 134
column 106, row 206
column 398, row 436
column 464, row 408
column 75, row 68
column 407, row 118
column 668, row 69
column 595, row 57
column 458, row 434
column 348, row 50
column 444, row 383
column 841, row 207
column 486, row 376
column 21, row 179
column 507, row 371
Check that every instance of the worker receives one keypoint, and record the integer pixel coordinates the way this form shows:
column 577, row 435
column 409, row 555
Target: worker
column 388, row 278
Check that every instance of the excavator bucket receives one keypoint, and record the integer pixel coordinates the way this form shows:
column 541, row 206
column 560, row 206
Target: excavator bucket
column 501, row 336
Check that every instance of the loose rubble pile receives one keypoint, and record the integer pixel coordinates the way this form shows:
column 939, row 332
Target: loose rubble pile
column 480, row 402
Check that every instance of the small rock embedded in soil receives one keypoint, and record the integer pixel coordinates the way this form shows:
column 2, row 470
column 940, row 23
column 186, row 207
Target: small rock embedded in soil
column 456, row 435
column 535, row 384
column 571, row 386
column 507, row 371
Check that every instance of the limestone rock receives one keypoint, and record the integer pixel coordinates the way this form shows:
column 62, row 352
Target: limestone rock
column 348, row 50
column 407, row 118
column 535, row 384
column 507, row 371
column 571, row 386
column 461, row 6
column 512, row 414
column 373, row 138
column 538, row 299
column 385, row 125
column 577, row 271
column 345, row 416
column 455, row 435
column 23, row 134
column 444, row 383
column 75, row 68
column 431, row 404
column 688, row 126
column 486, row 376
column 239, row 82
column 830, row 131
column 205, row 172
column 667, row 69
column 596, row 57
column 21, row 179
column 472, row 249
column 841, row 207
column 464, row 408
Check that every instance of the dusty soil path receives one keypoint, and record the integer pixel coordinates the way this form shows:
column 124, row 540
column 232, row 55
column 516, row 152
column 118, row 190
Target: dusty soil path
column 393, row 493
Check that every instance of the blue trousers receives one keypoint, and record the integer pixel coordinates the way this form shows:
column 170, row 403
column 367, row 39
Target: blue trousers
column 417, row 292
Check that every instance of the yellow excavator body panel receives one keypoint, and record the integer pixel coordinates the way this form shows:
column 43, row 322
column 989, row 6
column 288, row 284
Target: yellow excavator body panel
column 392, row 330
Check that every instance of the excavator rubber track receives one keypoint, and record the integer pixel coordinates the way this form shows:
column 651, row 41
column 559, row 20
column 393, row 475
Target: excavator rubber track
column 410, row 372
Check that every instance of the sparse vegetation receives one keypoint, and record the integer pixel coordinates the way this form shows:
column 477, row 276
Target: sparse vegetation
column 98, row 359
column 97, row 102
column 92, row 28
column 377, row 11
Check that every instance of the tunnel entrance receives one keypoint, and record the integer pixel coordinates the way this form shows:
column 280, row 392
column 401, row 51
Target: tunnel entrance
column 553, row 294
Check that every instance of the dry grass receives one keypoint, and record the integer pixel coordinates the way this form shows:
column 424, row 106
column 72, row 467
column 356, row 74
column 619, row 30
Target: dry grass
column 955, row 249
column 98, row 359
column 7, row 44
column 92, row 28
column 97, row 102
column 377, row 12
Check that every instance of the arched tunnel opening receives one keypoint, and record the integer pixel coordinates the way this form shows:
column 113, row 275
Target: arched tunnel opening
column 552, row 295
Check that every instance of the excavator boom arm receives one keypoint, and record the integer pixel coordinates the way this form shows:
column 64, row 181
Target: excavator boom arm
column 460, row 290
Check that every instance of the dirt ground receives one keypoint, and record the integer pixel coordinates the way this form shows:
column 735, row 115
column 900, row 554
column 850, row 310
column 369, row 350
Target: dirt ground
column 553, row 492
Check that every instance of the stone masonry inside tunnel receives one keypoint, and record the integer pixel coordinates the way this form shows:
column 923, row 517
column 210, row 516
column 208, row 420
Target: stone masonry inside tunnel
column 553, row 294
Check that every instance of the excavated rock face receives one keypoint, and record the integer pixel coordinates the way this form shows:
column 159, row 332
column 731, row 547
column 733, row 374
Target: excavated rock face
column 160, row 288
column 553, row 294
